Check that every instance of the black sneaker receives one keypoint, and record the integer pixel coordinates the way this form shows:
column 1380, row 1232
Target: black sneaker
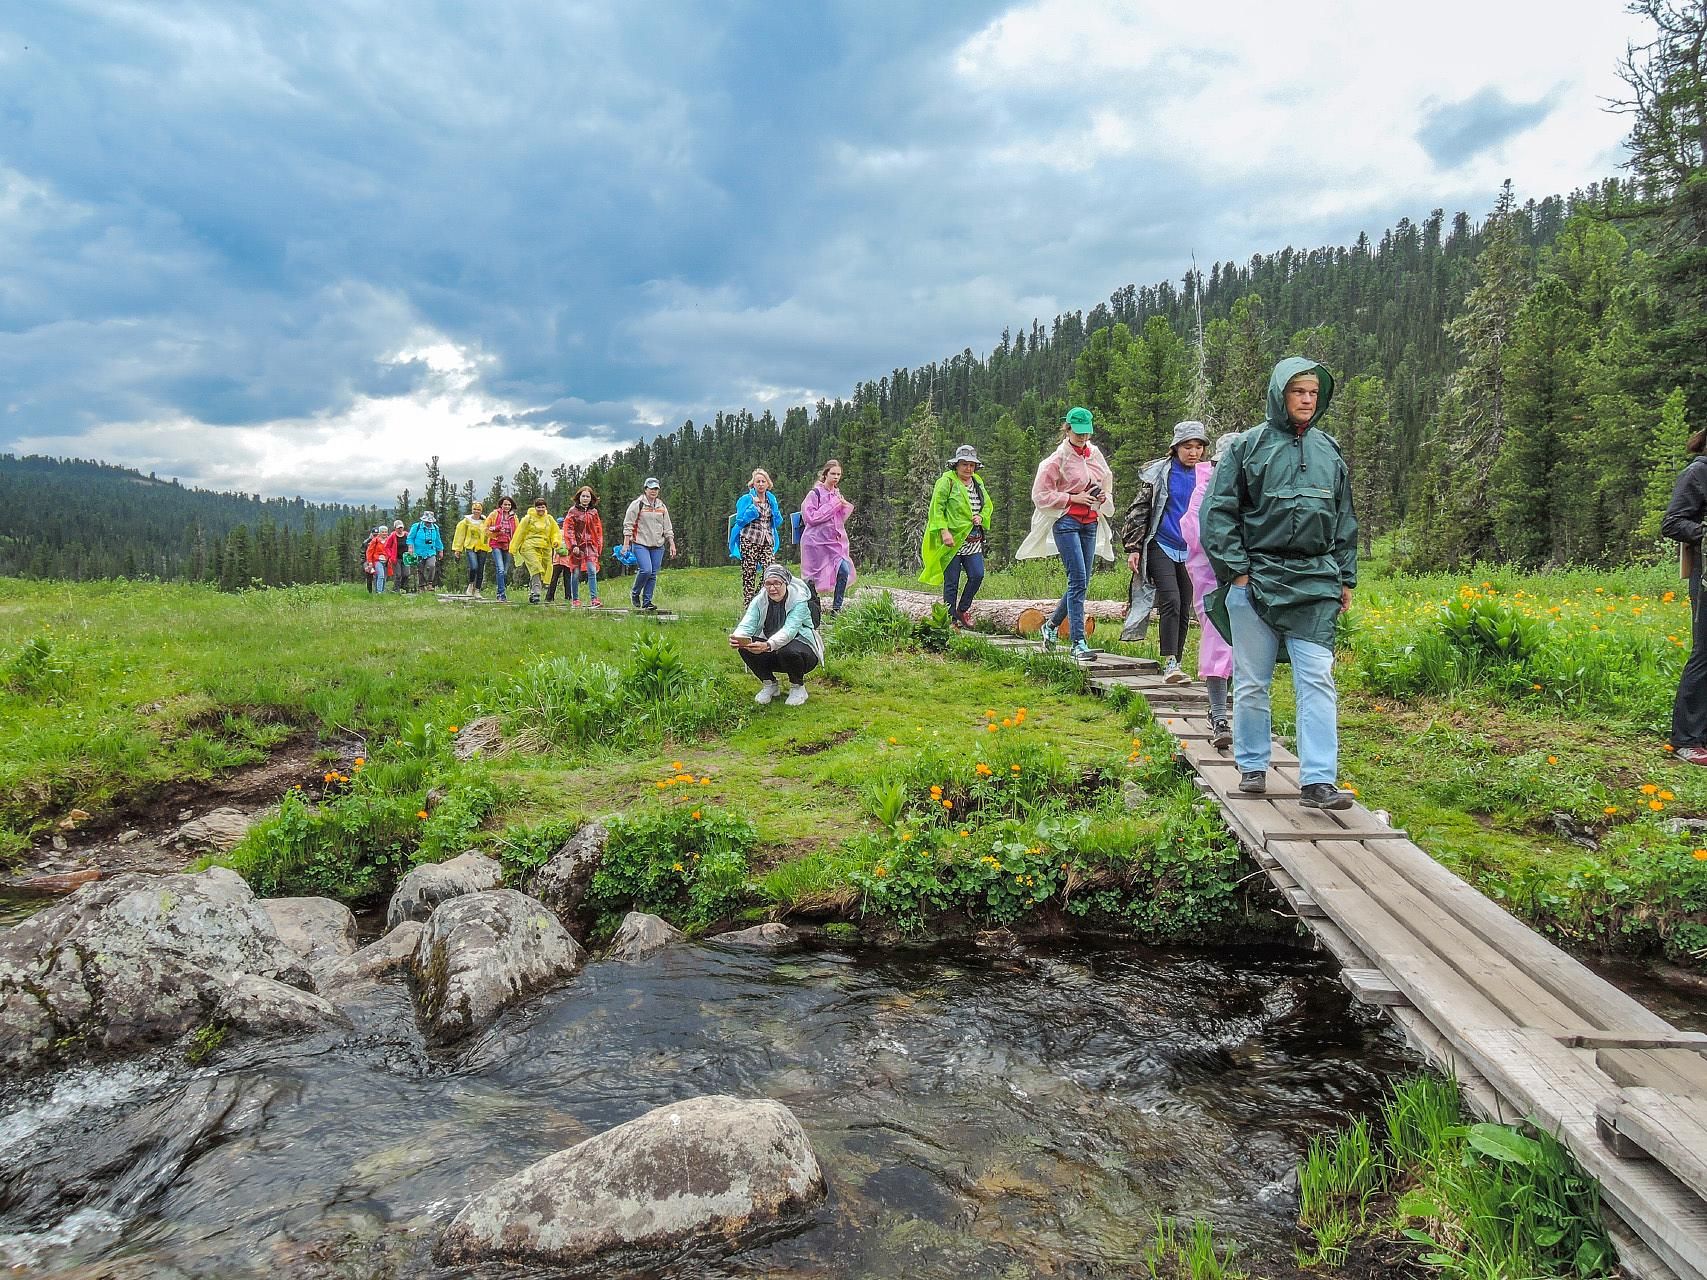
column 1220, row 734
column 1253, row 782
column 1323, row 795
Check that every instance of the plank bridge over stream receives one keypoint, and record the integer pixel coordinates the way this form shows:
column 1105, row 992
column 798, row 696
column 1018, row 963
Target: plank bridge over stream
column 1528, row 1031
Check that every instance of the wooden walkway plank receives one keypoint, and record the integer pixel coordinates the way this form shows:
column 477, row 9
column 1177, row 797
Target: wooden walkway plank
column 1671, row 1133
column 1672, row 1070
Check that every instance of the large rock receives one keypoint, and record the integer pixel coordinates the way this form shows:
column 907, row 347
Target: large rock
column 761, row 937
column 424, row 887
column 562, row 883
column 321, row 931
column 263, row 1006
column 482, row 952
column 706, row 1174
column 217, row 829
column 130, row 960
column 393, row 953
column 641, row 935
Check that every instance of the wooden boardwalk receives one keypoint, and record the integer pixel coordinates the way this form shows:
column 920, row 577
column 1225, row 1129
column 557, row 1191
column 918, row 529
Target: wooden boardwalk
column 1528, row 1031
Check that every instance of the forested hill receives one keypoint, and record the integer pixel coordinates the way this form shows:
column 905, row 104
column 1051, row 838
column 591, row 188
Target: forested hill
column 70, row 518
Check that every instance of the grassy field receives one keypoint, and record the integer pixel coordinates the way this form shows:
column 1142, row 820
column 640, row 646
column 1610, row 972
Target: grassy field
column 1509, row 723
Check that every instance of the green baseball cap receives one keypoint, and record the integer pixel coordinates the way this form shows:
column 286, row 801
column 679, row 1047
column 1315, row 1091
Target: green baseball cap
column 1079, row 420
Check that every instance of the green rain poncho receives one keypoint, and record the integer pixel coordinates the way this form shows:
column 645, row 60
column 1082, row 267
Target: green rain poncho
column 1279, row 509
column 950, row 509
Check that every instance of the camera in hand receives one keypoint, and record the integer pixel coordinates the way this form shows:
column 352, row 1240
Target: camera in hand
column 1095, row 490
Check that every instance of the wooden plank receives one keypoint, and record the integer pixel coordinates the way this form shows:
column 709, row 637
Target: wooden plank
column 1605, row 1007
column 1304, row 904
column 1371, row 986
column 1353, row 836
column 1671, row 1070
column 1422, row 1036
column 1525, row 1001
column 1666, row 1127
column 1546, row 1080
column 1332, row 938
column 1695, row 1041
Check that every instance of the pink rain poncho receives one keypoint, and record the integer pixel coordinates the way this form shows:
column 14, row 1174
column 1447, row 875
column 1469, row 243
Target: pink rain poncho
column 824, row 537
column 1214, row 655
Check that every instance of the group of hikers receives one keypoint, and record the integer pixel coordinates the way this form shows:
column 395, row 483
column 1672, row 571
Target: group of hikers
column 1259, row 542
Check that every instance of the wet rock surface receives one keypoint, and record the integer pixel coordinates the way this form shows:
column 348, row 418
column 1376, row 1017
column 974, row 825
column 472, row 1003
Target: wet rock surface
column 562, row 883
column 640, row 935
column 131, row 960
column 707, row 1173
column 389, row 955
column 263, row 1006
column 423, row 888
column 761, row 937
column 482, row 952
column 321, row 931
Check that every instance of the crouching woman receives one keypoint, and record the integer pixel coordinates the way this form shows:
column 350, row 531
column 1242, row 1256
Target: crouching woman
column 776, row 636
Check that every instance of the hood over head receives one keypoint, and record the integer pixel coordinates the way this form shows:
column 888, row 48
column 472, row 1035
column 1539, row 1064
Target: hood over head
column 1284, row 372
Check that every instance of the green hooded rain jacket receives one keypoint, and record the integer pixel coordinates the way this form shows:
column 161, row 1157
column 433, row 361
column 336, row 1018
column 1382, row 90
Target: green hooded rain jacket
column 950, row 509
column 1279, row 509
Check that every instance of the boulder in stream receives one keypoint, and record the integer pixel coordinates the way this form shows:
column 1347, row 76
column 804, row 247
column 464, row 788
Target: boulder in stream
column 393, row 953
column 711, row 1173
column 761, row 937
column 130, row 960
column 640, row 935
column 481, row 953
column 321, row 931
column 218, row 829
column 424, row 887
column 562, row 883
column 262, row 1006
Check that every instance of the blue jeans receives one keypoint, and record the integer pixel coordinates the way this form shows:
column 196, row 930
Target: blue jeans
column 843, row 569
column 1255, row 646
column 501, row 563
column 1077, row 544
column 647, row 562
column 974, row 567
column 476, row 568
column 592, row 577
column 379, row 577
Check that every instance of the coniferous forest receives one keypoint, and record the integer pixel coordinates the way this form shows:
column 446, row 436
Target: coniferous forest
column 1515, row 386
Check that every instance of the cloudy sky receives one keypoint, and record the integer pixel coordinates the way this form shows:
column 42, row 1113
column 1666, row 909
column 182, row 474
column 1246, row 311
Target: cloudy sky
column 292, row 248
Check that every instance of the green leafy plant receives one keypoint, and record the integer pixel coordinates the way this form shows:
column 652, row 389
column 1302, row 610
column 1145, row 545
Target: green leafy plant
column 686, row 865
column 1189, row 1255
column 36, row 671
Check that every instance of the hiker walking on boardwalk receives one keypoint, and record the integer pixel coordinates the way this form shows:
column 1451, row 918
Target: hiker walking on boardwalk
column 469, row 541
column 1155, row 545
column 428, row 545
column 1278, row 528
column 779, row 636
column 755, row 534
column 955, row 531
column 647, row 533
column 500, row 529
column 397, row 546
column 826, row 559
column 536, row 540
column 1685, row 521
column 1073, row 493
column 1214, row 654
column 583, row 541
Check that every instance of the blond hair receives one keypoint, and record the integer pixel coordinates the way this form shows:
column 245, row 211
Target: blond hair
column 760, row 471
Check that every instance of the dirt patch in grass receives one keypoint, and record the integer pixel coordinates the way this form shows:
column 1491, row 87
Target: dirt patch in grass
column 824, row 744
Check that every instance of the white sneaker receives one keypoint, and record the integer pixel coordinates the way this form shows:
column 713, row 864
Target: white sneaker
column 796, row 695
column 768, row 690
column 1173, row 674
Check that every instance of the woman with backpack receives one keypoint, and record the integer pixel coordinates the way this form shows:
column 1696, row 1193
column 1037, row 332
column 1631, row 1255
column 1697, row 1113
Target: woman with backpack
column 1073, row 493
column 1156, row 545
column 1684, row 522
column 500, row 529
column 956, row 527
column 826, row 559
column 583, row 541
column 778, row 636
column 375, row 559
column 755, row 534
column 646, row 533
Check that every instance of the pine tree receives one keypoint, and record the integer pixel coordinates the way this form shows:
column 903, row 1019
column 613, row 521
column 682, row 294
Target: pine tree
column 1669, row 457
column 916, row 460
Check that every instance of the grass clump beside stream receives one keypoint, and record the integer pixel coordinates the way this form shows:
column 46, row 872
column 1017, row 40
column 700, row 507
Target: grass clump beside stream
column 1473, row 1201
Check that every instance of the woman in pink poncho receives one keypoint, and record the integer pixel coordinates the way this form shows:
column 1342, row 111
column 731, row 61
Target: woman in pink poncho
column 1214, row 655
column 825, row 558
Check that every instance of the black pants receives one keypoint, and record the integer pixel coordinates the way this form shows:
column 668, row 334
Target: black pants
column 1689, row 708
column 793, row 660
column 559, row 573
column 1173, row 597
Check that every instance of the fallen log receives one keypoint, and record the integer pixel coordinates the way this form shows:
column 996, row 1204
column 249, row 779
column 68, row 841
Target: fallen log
column 1005, row 614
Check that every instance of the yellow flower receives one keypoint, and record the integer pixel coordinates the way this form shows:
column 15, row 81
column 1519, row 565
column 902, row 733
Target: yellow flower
column 936, row 793
column 891, row 742
column 677, row 867
column 661, row 783
column 1552, row 759
column 684, row 777
column 965, row 834
column 983, row 769
column 948, row 804
column 906, row 835
column 360, row 761
column 420, row 813
column 989, row 713
column 880, row 871
column 1656, row 805
column 1013, row 768
column 696, row 815
column 705, row 782
column 453, row 728
column 1536, row 687
column 1667, row 796
column 990, row 727
column 1610, row 810
column 1669, row 596
column 1649, row 788
column 1668, row 747
column 1700, row 855
column 675, row 766
column 1007, row 723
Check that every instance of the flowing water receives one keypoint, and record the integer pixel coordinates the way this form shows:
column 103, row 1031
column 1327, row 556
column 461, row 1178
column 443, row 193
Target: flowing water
column 976, row 1114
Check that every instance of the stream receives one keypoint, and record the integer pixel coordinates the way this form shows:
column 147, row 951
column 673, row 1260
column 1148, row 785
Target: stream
column 975, row 1114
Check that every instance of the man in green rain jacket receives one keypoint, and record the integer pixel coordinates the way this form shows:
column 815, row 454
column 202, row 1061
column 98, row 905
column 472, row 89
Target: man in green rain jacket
column 1279, row 531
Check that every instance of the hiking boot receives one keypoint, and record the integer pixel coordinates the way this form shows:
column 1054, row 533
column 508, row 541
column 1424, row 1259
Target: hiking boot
column 1173, row 674
column 1050, row 641
column 1082, row 652
column 1323, row 795
column 1220, row 734
column 1253, row 782
column 965, row 617
column 1691, row 755
column 796, row 695
column 532, row 599
column 648, row 608
column 767, row 691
